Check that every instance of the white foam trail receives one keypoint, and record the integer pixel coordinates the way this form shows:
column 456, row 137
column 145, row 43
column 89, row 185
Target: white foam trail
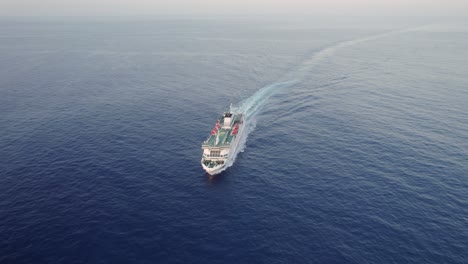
column 251, row 106
column 309, row 63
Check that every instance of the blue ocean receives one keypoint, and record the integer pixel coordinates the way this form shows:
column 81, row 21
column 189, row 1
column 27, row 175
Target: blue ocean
column 357, row 148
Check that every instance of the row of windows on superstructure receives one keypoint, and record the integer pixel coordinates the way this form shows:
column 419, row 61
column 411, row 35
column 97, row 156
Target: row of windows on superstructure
column 215, row 153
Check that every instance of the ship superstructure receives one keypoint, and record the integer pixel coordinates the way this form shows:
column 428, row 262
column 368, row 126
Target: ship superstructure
column 220, row 148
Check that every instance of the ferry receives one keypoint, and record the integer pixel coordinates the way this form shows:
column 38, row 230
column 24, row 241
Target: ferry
column 221, row 146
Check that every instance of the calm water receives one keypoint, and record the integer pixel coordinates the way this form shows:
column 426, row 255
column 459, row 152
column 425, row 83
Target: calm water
column 358, row 151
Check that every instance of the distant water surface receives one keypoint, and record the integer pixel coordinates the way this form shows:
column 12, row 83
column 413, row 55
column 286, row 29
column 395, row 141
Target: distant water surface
column 358, row 151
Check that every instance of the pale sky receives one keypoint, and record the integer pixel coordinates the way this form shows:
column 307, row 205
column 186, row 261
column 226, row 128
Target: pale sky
column 219, row 7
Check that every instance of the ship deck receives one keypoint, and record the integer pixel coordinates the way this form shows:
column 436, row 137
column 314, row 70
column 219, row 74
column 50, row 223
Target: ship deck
column 225, row 137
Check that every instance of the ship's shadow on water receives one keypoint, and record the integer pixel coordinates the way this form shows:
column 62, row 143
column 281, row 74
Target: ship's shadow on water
column 219, row 178
column 215, row 179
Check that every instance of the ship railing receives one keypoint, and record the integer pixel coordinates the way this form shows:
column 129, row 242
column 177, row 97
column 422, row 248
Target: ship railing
column 215, row 156
column 220, row 145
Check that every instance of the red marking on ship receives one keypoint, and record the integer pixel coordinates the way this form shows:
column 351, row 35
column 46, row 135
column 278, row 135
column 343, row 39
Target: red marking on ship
column 235, row 129
column 216, row 128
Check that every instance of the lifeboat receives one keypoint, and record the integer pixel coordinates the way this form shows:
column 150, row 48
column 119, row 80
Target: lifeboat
column 235, row 129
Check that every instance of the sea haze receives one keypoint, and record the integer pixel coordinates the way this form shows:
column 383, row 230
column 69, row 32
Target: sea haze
column 357, row 151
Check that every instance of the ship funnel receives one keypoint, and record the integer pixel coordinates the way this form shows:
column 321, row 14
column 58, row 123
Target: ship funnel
column 227, row 120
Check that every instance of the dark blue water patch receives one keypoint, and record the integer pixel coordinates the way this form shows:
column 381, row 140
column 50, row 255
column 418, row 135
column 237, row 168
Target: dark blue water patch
column 362, row 159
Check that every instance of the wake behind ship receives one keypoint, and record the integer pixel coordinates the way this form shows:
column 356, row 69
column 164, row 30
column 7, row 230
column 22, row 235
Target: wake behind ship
column 221, row 146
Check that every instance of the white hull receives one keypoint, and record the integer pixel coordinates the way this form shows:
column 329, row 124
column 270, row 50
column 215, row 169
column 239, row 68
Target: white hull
column 213, row 171
column 234, row 148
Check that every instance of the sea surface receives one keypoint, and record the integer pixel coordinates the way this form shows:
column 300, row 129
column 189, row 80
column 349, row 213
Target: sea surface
column 357, row 150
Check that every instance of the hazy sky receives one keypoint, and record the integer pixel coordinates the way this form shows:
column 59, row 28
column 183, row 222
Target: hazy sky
column 218, row 7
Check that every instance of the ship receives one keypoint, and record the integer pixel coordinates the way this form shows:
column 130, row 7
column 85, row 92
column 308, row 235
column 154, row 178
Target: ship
column 221, row 146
